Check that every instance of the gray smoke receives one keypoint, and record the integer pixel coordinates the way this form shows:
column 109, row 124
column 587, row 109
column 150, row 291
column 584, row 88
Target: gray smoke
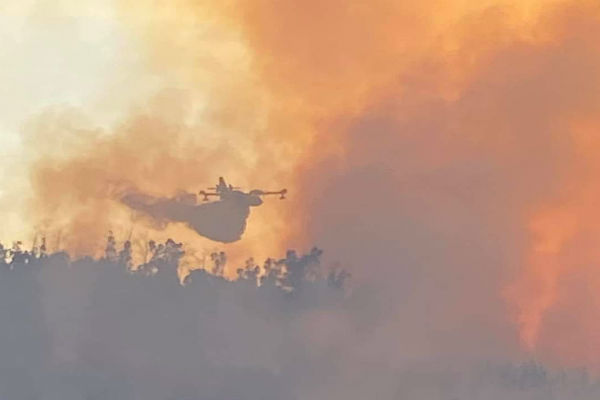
column 285, row 329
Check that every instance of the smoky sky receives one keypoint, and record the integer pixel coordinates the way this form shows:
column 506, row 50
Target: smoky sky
column 472, row 191
column 446, row 155
column 449, row 147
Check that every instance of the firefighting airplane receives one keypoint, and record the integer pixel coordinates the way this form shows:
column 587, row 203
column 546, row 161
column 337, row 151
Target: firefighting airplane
column 223, row 220
column 225, row 191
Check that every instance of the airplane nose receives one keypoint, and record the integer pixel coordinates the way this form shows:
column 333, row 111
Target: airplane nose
column 255, row 201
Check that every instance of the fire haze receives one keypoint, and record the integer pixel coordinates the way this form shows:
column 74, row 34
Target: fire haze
column 446, row 152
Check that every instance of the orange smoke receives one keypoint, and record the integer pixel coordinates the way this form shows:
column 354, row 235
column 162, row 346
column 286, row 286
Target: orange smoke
column 556, row 292
column 540, row 283
column 516, row 79
column 304, row 94
column 77, row 185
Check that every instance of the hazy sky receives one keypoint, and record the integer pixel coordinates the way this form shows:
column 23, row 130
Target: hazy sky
column 57, row 54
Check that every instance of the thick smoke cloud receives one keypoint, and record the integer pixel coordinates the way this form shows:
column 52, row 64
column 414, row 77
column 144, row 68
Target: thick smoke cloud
column 481, row 187
column 446, row 154
column 453, row 154
column 449, row 147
